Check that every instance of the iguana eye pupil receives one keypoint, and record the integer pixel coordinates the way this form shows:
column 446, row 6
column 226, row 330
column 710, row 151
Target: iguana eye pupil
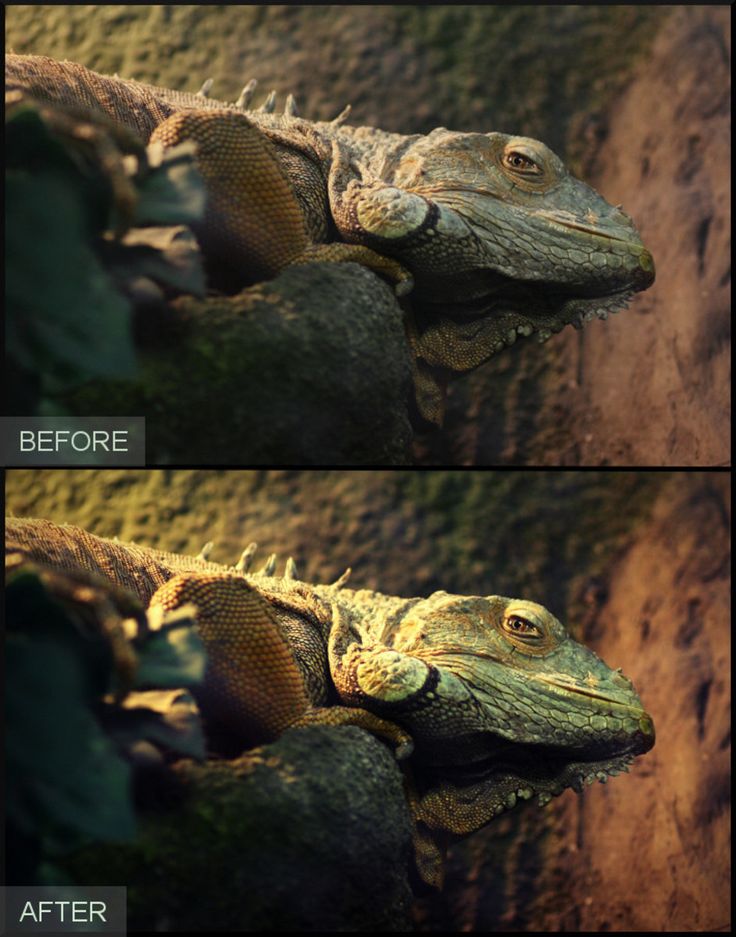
column 523, row 163
column 521, row 625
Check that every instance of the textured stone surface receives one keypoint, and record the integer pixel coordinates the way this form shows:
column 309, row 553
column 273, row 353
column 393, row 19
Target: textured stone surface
column 308, row 833
column 310, row 368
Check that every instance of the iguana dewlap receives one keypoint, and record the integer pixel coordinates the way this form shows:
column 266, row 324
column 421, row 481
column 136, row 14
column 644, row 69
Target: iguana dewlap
column 487, row 699
column 500, row 241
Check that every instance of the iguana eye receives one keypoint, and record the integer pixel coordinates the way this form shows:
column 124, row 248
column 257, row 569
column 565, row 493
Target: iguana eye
column 521, row 163
column 517, row 625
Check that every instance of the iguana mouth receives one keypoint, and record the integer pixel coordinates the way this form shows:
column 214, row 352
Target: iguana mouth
column 564, row 686
column 568, row 220
column 589, row 693
column 556, row 218
column 592, row 231
column 527, row 295
column 505, row 755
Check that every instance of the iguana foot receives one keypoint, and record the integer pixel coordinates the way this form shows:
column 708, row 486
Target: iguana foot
column 354, row 716
column 339, row 252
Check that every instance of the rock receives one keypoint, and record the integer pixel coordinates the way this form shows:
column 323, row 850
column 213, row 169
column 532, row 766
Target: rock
column 311, row 832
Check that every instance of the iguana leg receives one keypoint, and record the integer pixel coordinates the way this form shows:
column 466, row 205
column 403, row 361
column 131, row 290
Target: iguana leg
column 430, row 389
column 253, row 685
column 446, row 812
column 430, row 845
column 253, row 219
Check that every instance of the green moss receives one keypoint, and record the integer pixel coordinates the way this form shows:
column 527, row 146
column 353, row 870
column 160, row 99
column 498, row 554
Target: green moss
column 262, row 842
column 540, row 535
column 534, row 70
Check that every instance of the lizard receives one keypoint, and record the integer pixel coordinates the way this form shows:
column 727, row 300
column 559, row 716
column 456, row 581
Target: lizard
column 486, row 700
column 489, row 233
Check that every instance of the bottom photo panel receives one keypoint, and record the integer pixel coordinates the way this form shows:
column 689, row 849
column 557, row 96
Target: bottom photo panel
column 368, row 700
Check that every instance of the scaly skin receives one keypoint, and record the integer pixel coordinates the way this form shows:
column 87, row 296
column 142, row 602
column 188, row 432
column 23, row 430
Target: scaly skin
column 489, row 696
column 500, row 240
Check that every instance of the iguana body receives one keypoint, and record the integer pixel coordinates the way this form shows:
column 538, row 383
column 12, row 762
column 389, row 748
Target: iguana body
column 490, row 697
column 500, row 240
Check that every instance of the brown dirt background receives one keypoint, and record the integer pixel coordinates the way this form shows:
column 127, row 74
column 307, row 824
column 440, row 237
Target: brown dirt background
column 637, row 563
column 637, row 99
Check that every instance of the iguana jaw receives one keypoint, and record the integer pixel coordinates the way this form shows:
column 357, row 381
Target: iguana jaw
column 497, row 308
column 492, row 322
column 509, row 772
column 523, row 772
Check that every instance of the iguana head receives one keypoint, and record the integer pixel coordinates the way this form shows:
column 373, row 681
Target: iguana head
column 501, row 239
column 520, row 699
column 478, row 215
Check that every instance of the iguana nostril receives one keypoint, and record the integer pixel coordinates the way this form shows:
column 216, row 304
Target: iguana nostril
column 620, row 679
column 646, row 262
column 619, row 217
column 647, row 725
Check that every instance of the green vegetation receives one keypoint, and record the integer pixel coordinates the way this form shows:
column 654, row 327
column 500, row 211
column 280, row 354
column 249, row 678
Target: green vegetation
column 74, row 652
column 71, row 199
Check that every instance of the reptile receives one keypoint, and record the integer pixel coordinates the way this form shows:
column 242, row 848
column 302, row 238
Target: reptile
column 486, row 700
column 490, row 233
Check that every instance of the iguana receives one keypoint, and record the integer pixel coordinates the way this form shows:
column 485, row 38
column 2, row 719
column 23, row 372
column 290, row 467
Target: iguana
column 495, row 235
column 487, row 700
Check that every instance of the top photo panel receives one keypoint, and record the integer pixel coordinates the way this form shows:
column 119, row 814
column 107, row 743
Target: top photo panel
column 373, row 235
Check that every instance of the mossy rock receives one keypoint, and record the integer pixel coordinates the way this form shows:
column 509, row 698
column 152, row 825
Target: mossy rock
column 311, row 832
